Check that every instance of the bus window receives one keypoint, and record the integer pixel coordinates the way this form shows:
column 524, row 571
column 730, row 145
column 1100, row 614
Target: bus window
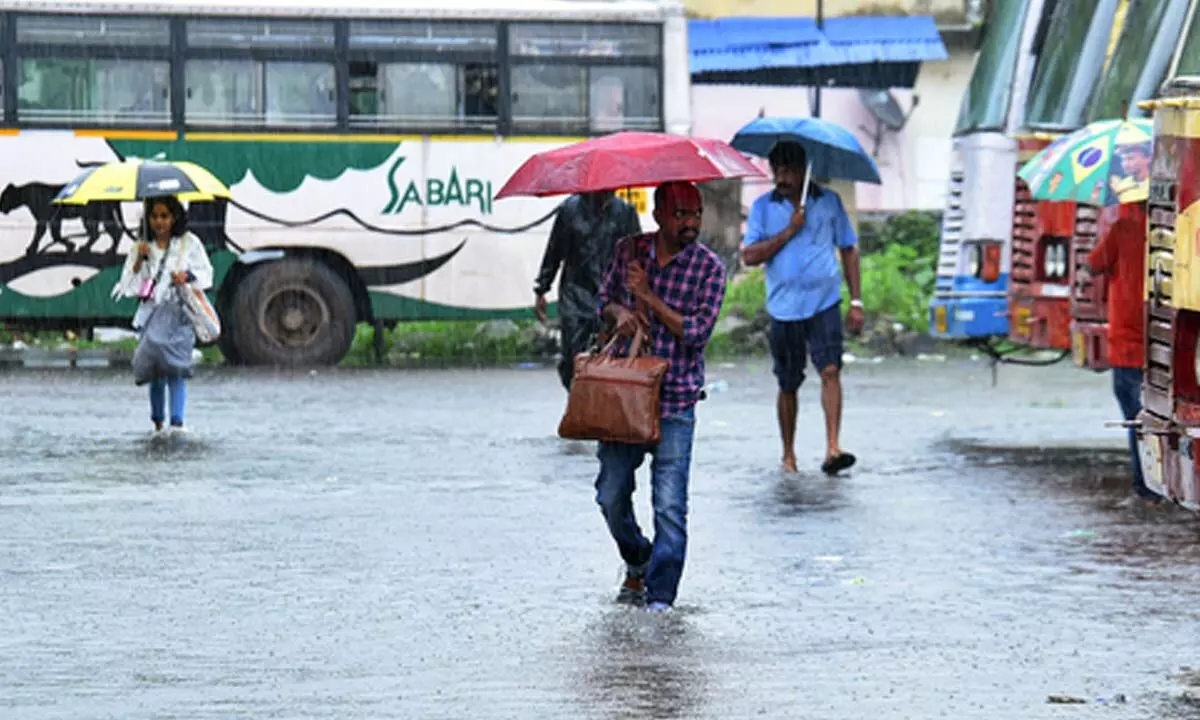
column 1189, row 55
column 580, row 77
column 423, row 75
column 226, row 85
column 1140, row 60
column 222, row 34
column 549, row 97
column 224, row 92
column 1070, row 63
column 55, row 85
column 985, row 103
column 623, row 98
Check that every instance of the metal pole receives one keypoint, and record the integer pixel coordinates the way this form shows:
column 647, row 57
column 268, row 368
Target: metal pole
column 820, row 28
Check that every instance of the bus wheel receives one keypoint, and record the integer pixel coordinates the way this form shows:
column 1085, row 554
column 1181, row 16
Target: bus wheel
column 227, row 345
column 296, row 311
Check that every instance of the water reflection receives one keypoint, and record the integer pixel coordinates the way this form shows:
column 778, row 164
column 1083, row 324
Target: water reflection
column 639, row 665
column 802, row 494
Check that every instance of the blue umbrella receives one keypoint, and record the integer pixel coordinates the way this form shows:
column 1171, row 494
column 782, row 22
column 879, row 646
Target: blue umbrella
column 833, row 152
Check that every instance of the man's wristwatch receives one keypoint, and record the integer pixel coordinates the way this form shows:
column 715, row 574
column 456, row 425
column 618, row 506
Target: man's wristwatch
column 856, row 304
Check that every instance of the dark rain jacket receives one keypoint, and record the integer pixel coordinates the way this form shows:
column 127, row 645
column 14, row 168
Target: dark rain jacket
column 581, row 242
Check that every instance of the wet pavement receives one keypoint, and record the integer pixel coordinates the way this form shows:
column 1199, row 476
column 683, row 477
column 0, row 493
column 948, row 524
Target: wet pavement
column 419, row 544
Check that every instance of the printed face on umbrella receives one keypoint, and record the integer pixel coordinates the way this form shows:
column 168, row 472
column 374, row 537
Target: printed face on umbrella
column 678, row 209
column 1135, row 161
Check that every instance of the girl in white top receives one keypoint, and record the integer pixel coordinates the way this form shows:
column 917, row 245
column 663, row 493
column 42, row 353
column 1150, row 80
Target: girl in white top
column 166, row 337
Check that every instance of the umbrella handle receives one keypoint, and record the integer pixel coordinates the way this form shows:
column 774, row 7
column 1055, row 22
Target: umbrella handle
column 804, row 192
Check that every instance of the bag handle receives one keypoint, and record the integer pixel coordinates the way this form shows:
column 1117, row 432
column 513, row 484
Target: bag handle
column 635, row 348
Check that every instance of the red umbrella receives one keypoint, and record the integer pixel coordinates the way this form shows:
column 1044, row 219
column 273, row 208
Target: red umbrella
column 626, row 160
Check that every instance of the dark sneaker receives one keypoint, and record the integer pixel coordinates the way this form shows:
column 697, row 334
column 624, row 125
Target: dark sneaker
column 632, row 592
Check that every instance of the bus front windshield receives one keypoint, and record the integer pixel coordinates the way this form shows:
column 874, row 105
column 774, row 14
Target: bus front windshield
column 1189, row 55
column 1073, row 49
column 985, row 103
column 1140, row 61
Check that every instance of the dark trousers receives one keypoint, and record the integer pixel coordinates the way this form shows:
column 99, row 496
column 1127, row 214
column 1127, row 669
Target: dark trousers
column 1127, row 386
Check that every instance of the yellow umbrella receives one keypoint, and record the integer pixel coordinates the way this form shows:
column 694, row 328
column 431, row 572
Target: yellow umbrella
column 133, row 180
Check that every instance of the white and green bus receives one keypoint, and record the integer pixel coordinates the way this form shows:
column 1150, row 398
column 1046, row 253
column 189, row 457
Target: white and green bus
column 363, row 141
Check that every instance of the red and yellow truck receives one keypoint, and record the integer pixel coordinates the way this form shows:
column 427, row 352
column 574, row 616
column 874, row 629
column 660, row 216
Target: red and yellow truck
column 1169, row 424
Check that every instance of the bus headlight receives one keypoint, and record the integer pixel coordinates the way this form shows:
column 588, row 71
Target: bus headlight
column 974, row 260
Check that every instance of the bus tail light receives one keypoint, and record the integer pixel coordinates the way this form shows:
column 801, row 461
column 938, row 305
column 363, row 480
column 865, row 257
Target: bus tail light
column 983, row 260
column 991, row 262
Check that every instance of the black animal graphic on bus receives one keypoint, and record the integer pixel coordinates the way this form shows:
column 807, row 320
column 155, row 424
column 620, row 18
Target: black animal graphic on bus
column 37, row 197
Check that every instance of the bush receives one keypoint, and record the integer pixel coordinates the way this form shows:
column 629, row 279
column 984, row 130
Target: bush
column 897, row 283
column 917, row 229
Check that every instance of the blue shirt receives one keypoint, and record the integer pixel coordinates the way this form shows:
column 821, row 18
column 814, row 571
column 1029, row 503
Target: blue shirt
column 804, row 277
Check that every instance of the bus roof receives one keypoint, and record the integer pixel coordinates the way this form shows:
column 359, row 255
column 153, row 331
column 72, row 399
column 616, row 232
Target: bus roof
column 593, row 10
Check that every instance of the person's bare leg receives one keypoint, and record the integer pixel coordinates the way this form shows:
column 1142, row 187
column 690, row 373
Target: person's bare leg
column 831, row 402
column 788, row 409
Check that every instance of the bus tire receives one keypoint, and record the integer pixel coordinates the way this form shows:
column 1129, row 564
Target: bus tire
column 293, row 312
column 226, row 342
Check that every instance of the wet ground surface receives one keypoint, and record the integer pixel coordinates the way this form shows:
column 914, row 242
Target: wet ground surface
column 420, row 545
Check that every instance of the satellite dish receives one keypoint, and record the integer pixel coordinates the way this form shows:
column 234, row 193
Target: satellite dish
column 888, row 115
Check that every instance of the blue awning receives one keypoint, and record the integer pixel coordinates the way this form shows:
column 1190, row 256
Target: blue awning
column 849, row 51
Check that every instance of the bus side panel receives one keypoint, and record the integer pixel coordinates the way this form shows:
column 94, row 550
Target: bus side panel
column 417, row 218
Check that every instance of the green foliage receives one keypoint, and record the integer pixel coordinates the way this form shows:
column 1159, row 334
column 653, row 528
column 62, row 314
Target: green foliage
column 745, row 295
column 916, row 229
column 897, row 283
column 443, row 341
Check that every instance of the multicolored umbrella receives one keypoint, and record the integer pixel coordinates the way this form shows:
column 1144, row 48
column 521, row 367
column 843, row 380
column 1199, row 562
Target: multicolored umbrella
column 133, row 180
column 1079, row 167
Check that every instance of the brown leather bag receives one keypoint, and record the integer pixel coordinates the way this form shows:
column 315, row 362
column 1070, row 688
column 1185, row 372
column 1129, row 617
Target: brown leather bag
column 615, row 399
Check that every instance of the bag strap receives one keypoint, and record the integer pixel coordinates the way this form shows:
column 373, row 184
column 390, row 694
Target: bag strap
column 162, row 265
column 640, row 307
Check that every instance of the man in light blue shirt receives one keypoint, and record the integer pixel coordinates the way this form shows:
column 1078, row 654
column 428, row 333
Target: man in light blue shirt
column 799, row 242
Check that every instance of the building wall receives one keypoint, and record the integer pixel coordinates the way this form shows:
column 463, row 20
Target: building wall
column 914, row 163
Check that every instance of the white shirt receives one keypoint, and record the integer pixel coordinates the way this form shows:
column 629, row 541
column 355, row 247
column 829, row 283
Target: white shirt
column 183, row 254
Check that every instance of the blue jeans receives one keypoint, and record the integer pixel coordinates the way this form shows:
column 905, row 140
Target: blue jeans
column 1127, row 386
column 158, row 388
column 660, row 562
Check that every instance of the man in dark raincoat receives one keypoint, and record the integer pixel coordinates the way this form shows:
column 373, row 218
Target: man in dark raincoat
column 585, row 230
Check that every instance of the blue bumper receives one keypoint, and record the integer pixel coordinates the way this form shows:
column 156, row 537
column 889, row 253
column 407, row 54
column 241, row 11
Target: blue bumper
column 957, row 318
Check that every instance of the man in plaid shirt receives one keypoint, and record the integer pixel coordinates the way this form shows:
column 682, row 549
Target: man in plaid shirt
column 681, row 283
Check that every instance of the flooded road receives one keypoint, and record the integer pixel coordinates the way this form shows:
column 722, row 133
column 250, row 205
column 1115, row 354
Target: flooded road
column 386, row 544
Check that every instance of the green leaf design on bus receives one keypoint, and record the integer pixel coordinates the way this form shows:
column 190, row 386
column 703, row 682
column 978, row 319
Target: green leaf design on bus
column 278, row 166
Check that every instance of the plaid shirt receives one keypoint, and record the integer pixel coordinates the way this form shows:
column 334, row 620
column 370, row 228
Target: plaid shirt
column 692, row 284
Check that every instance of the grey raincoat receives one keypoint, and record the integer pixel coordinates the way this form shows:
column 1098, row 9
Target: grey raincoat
column 581, row 241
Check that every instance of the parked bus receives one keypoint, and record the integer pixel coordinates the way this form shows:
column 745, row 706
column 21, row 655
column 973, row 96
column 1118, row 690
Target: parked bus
column 363, row 143
column 1170, row 420
column 1152, row 32
column 1080, row 40
column 970, row 301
